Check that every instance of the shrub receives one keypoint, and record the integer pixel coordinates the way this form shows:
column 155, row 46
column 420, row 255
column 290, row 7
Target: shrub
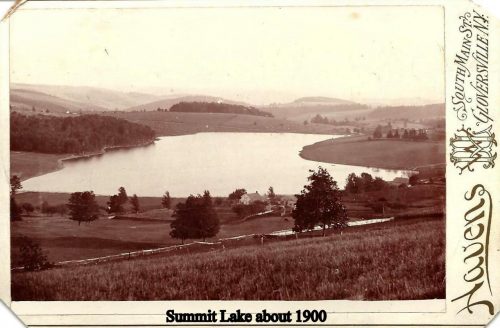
column 27, row 208
column 31, row 256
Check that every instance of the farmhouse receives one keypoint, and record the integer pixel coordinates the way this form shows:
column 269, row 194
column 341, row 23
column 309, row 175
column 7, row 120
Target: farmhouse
column 247, row 199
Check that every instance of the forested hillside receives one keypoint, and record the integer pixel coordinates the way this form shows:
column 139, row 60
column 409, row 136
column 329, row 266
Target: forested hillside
column 86, row 133
column 409, row 112
column 212, row 107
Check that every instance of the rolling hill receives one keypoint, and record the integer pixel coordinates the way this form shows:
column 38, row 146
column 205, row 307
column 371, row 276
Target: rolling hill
column 320, row 101
column 409, row 112
column 306, row 107
column 166, row 103
column 94, row 98
column 26, row 100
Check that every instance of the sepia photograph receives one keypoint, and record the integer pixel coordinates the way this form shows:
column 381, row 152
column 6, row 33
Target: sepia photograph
column 232, row 153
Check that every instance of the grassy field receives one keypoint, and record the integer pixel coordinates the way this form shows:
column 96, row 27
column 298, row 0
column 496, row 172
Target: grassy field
column 387, row 154
column 387, row 262
column 56, row 198
column 62, row 239
column 28, row 164
column 171, row 123
column 397, row 201
column 65, row 240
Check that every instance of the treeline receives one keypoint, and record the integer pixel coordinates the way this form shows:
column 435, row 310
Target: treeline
column 406, row 134
column 365, row 182
column 85, row 133
column 324, row 120
column 212, row 107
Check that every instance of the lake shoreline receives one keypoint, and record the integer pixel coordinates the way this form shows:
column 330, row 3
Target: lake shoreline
column 385, row 154
column 314, row 152
column 59, row 163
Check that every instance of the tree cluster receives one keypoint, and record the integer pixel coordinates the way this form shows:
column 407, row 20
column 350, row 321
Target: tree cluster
column 324, row 120
column 46, row 208
column 212, row 107
column 83, row 207
column 85, row 133
column 406, row 134
column 319, row 203
column 254, row 207
column 117, row 201
column 416, row 135
column 358, row 184
column 195, row 219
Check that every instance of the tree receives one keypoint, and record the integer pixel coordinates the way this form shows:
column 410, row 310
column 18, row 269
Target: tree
column 236, row 195
column 273, row 199
column 208, row 223
column 15, row 185
column 15, row 210
column 379, row 184
column 352, row 184
column 377, row 134
column 366, row 181
column 114, row 205
column 413, row 180
column 196, row 218
column 83, row 207
column 122, row 195
column 134, row 201
column 320, row 202
column 45, row 208
column 27, row 208
column 116, row 202
column 166, row 201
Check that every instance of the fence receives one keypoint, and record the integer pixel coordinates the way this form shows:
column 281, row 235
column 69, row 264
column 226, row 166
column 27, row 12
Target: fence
column 219, row 245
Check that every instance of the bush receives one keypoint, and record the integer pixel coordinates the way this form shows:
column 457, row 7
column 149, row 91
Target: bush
column 28, row 208
column 31, row 256
column 414, row 180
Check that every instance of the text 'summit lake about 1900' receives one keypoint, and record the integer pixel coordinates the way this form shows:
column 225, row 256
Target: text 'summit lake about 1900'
column 189, row 164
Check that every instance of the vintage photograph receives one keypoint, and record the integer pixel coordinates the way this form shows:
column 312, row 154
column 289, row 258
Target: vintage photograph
column 232, row 153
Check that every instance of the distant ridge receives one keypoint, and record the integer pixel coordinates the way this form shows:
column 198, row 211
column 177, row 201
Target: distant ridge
column 306, row 107
column 217, row 107
column 91, row 97
column 322, row 100
column 27, row 100
column 167, row 103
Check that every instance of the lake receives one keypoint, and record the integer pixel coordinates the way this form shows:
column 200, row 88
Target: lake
column 219, row 162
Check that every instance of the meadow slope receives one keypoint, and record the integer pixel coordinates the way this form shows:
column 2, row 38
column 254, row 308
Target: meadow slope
column 404, row 260
column 179, row 123
column 380, row 153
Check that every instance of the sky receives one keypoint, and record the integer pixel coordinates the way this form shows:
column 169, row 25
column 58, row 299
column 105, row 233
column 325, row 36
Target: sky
column 258, row 55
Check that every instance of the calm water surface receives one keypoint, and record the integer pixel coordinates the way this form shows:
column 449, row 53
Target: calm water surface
column 183, row 165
